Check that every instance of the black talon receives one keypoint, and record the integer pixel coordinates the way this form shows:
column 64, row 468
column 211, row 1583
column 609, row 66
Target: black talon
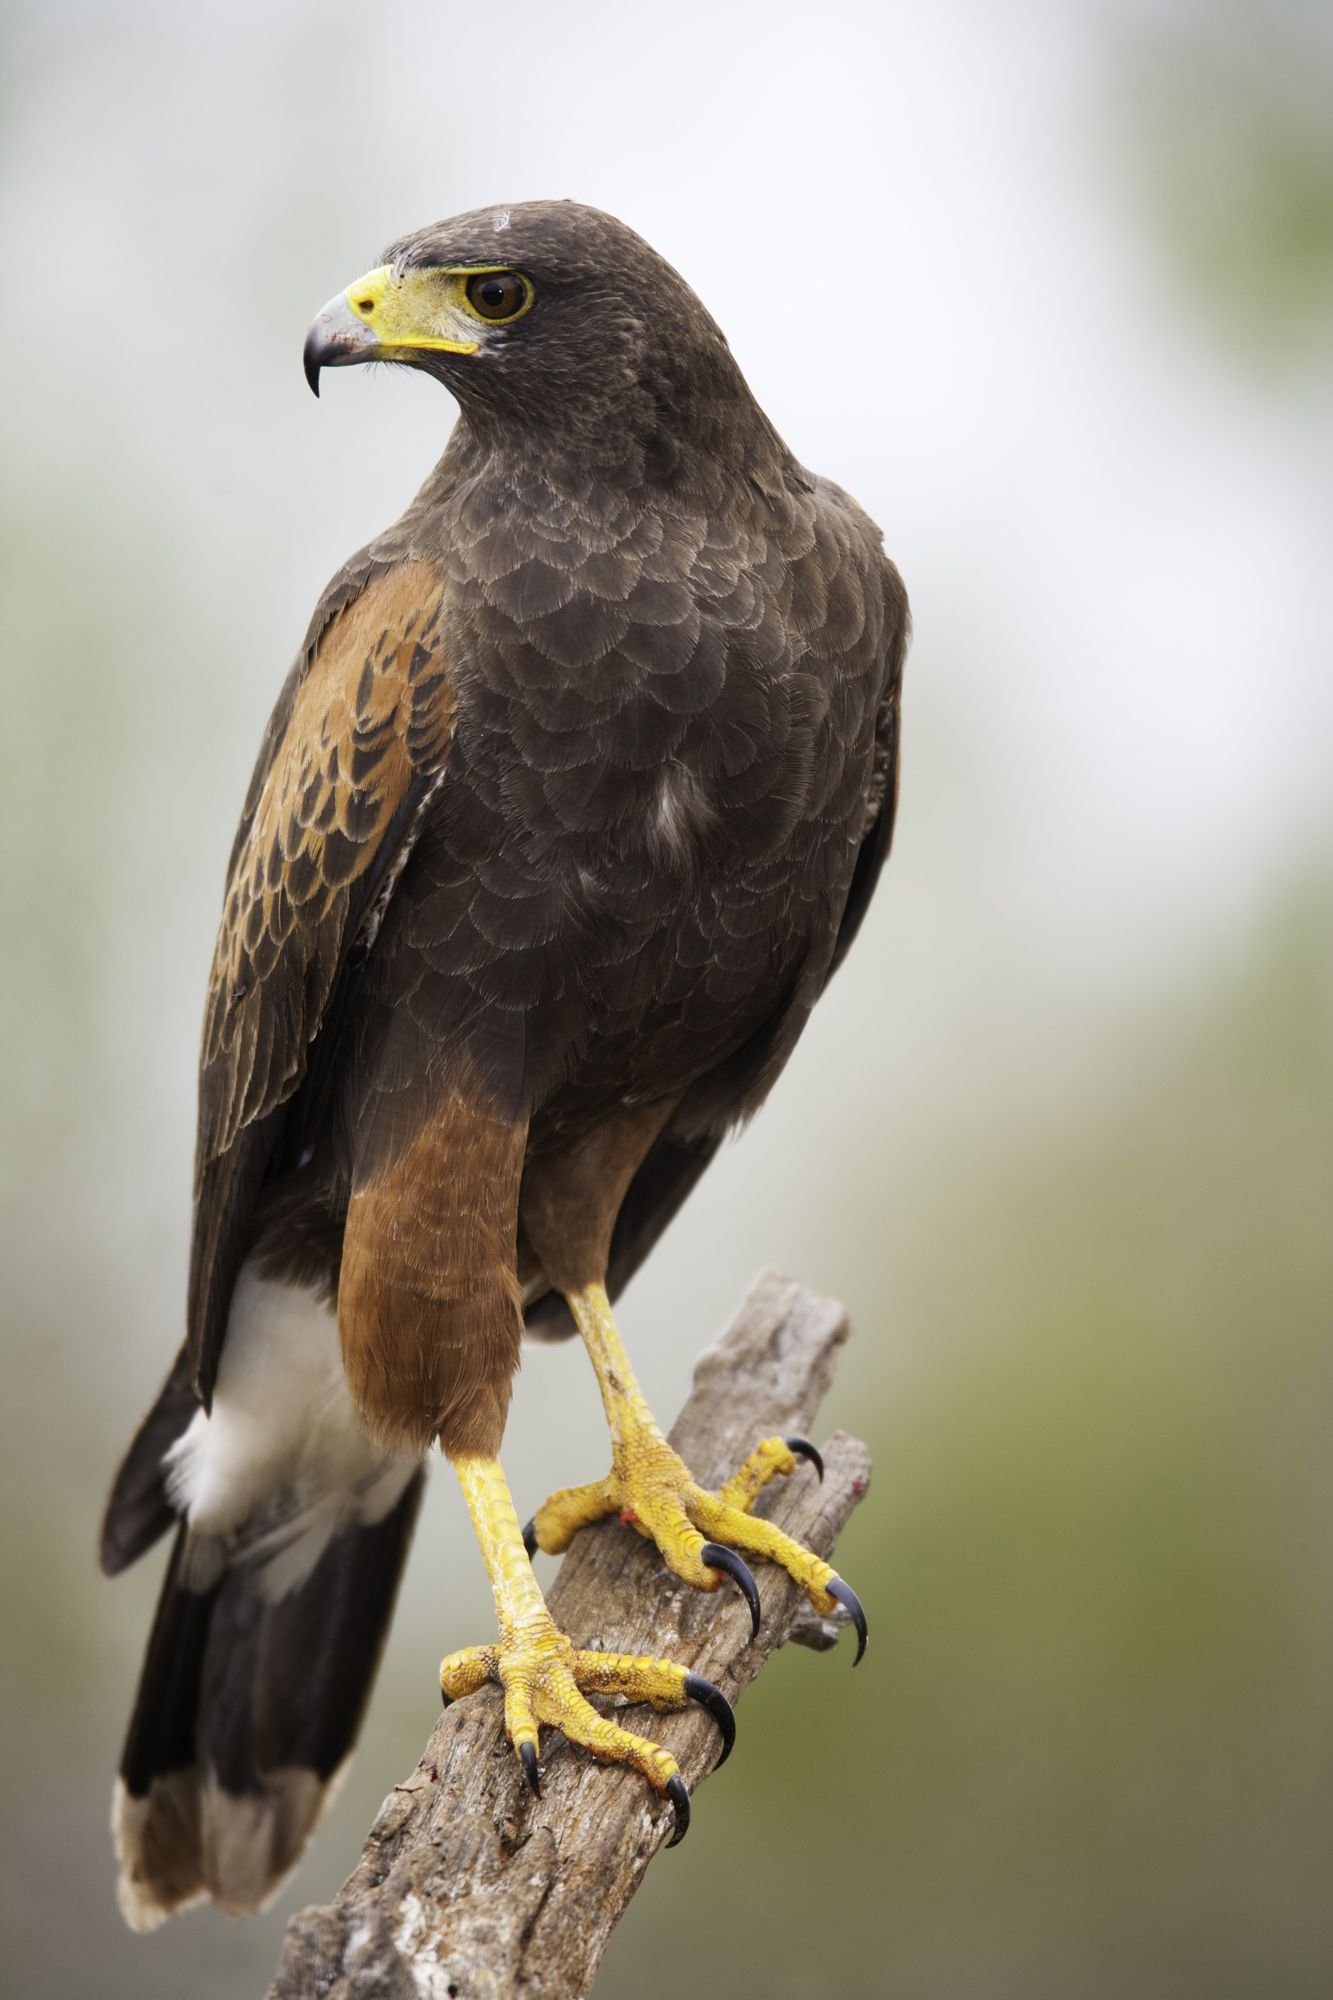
column 730, row 1562
column 530, row 1536
column 713, row 1699
column 529, row 1756
column 447, row 1699
column 846, row 1595
column 680, row 1799
column 804, row 1449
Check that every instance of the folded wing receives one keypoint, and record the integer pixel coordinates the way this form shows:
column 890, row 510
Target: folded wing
column 358, row 743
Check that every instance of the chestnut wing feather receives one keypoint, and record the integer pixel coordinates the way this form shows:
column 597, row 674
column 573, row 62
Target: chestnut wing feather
column 366, row 737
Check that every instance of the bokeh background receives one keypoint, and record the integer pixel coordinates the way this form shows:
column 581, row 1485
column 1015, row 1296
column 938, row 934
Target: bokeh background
column 1049, row 285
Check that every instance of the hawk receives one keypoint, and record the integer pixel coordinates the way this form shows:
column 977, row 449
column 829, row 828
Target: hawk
column 570, row 805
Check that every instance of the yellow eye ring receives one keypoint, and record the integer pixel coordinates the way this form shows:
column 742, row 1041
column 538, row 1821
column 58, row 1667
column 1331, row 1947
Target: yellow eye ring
column 497, row 296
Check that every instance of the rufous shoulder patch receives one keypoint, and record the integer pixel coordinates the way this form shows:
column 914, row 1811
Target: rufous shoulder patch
column 373, row 712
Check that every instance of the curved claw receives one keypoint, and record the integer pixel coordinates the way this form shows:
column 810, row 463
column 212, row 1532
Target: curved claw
column 528, row 1755
column 530, row 1536
column 713, row 1699
column 730, row 1563
column 848, row 1597
column 804, row 1449
column 680, row 1799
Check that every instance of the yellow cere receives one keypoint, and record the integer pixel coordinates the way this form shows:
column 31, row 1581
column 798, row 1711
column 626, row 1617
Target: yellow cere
column 424, row 308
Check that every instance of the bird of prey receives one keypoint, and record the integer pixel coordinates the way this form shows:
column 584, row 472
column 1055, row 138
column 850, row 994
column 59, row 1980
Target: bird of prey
column 570, row 805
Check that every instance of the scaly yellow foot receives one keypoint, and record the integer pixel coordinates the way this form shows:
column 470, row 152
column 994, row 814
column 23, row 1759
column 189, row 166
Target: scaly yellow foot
column 545, row 1679
column 650, row 1487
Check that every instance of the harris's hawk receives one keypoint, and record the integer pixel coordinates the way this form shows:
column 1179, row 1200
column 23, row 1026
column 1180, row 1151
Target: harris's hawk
column 574, row 798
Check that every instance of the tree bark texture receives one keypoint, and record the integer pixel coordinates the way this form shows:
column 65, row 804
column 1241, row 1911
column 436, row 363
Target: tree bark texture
column 471, row 1889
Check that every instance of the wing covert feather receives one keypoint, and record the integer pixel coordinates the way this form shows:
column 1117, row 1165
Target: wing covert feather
column 371, row 722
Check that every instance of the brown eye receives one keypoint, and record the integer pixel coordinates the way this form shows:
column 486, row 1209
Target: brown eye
column 497, row 294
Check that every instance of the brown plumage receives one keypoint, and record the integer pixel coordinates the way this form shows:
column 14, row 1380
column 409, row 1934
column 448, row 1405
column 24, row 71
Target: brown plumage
column 574, row 797
column 429, row 1303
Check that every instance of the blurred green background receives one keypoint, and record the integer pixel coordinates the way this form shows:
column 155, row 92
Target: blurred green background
column 1050, row 288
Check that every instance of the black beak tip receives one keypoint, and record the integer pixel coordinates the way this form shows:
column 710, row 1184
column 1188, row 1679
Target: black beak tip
column 312, row 365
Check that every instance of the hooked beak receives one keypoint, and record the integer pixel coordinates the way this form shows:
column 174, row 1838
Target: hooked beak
column 390, row 317
column 337, row 339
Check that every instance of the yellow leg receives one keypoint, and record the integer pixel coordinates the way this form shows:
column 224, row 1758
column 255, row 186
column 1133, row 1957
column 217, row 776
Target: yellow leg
column 650, row 1486
column 541, row 1673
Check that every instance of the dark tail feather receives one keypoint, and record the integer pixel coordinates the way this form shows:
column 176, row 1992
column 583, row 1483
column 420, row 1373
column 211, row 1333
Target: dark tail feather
column 138, row 1512
column 246, row 1714
column 162, row 1727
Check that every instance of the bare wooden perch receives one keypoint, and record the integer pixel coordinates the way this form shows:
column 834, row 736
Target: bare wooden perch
column 470, row 1887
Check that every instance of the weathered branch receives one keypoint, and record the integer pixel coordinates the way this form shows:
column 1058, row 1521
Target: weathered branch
column 470, row 1887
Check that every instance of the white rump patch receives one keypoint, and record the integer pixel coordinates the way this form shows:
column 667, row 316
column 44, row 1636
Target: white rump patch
column 284, row 1460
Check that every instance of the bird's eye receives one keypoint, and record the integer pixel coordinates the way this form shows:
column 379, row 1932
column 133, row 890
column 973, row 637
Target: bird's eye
column 497, row 294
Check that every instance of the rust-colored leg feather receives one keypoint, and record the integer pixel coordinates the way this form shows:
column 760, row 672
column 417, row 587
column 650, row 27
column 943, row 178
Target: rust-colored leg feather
column 429, row 1310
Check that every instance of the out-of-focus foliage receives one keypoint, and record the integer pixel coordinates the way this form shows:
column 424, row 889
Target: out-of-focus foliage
column 1231, row 110
column 1091, row 1748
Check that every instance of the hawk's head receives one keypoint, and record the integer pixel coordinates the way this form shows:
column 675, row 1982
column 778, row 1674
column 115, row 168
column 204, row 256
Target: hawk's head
column 548, row 316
